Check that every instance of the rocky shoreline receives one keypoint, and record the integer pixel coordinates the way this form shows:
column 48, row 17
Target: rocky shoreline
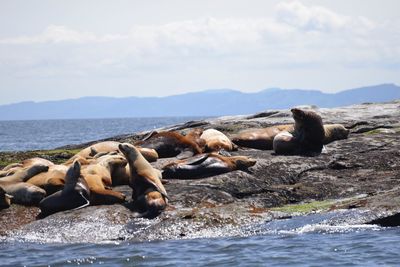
column 360, row 174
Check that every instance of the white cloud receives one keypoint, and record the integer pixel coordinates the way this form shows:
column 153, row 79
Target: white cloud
column 298, row 36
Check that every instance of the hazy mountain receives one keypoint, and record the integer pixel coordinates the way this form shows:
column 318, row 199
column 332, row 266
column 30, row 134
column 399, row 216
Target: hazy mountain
column 206, row 103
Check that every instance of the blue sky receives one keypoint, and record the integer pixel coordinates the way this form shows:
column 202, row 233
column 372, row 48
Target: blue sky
column 68, row 49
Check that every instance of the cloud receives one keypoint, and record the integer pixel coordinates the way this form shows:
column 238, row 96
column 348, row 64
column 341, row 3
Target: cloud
column 297, row 36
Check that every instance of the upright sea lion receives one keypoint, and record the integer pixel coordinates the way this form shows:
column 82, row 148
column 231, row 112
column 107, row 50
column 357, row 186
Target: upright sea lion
column 24, row 193
column 170, row 144
column 148, row 193
column 205, row 165
column 215, row 141
column 76, row 194
column 99, row 178
column 260, row 138
column 308, row 136
column 5, row 199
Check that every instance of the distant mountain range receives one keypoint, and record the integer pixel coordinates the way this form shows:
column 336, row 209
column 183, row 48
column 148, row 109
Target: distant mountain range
column 205, row 103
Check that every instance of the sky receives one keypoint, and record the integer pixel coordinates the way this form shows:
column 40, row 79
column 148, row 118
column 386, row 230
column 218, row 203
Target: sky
column 52, row 50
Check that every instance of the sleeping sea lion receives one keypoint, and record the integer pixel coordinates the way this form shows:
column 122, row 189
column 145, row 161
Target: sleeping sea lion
column 112, row 146
column 36, row 161
column 307, row 138
column 10, row 169
column 205, row 165
column 170, row 144
column 148, row 193
column 51, row 181
column 335, row 132
column 99, row 178
column 260, row 138
column 5, row 199
column 75, row 194
column 215, row 141
column 24, row 193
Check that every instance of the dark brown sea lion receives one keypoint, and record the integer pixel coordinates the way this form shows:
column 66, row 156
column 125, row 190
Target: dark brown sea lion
column 5, row 199
column 260, row 138
column 75, row 194
column 205, row 165
column 308, row 136
column 170, row 144
column 148, row 193
column 215, row 141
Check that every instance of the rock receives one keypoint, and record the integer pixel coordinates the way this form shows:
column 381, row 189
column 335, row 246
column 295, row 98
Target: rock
column 360, row 174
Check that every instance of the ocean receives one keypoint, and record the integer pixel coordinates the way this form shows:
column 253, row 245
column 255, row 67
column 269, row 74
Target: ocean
column 301, row 241
column 48, row 134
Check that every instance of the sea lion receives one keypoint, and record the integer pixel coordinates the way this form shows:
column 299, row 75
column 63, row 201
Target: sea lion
column 36, row 161
column 99, row 178
column 335, row 132
column 307, row 138
column 260, row 138
column 148, row 193
column 5, row 199
column 205, row 165
column 170, row 144
column 24, row 174
column 109, row 147
column 51, row 181
column 24, row 193
column 215, row 141
column 75, row 194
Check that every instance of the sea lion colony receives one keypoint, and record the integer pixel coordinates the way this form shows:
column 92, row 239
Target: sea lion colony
column 89, row 176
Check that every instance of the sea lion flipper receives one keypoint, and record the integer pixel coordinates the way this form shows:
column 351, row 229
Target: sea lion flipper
column 197, row 159
column 149, row 135
column 187, row 153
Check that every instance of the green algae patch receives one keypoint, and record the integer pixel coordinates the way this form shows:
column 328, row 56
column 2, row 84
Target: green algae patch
column 306, row 207
column 56, row 156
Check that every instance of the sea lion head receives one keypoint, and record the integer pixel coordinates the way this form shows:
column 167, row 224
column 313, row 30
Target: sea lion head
column 5, row 199
column 151, row 204
column 243, row 163
column 34, row 194
column 129, row 151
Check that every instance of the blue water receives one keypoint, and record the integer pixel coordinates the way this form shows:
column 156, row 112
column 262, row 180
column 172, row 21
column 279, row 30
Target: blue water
column 301, row 241
column 365, row 247
column 48, row 134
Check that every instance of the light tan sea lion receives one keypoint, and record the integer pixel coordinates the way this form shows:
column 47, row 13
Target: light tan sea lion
column 335, row 132
column 24, row 193
column 5, row 199
column 36, row 161
column 260, row 138
column 170, row 144
column 112, row 146
column 51, row 181
column 308, row 136
column 216, row 140
column 75, row 194
column 12, row 165
column 148, row 193
column 99, row 178
column 206, row 165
